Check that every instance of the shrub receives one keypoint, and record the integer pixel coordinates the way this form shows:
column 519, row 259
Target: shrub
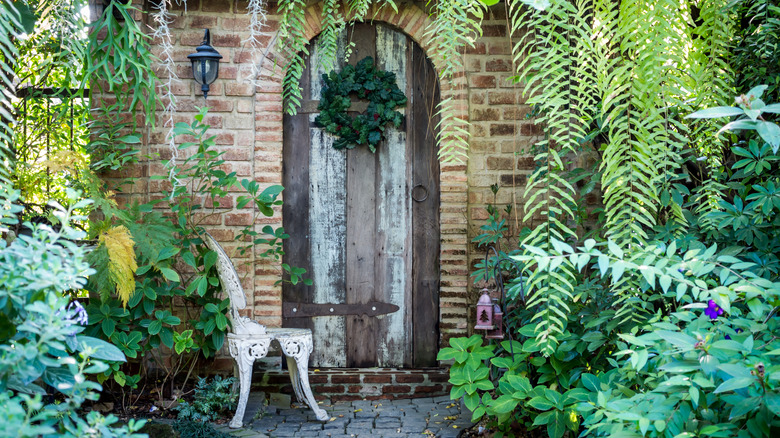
column 211, row 400
column 40, row 332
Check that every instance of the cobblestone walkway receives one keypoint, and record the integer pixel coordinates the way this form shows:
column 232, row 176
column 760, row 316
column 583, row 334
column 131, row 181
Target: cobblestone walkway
column 439, row 416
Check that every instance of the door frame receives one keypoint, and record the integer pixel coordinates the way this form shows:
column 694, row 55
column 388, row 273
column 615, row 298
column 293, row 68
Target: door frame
column 422, row 331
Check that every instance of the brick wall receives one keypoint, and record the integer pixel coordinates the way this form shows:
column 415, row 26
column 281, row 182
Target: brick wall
column 347, row 384
column 248, row 124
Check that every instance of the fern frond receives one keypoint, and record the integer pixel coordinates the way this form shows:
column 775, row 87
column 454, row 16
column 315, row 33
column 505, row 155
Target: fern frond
column 122, row 264
column 332, row 25
column 292, row 44
column 9, row 23
column 555, row 64
column 456, row 25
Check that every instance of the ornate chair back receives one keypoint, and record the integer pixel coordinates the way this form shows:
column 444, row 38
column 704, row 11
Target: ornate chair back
column 231, row 286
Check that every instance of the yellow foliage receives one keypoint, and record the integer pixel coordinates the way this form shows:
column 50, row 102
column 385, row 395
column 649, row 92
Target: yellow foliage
column 122, row 264
column 64, row 160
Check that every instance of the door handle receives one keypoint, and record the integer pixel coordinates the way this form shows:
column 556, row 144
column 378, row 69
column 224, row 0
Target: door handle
column 425, row 196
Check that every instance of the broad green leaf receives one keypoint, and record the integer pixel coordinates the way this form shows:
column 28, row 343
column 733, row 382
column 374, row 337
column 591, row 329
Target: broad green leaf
column 504, row 404
column 591, row 382
column 557, row 427
column 101, row 349
column 209, row 259
column 734, row 383
column 155, row 327
column 677, row 339
column 170, row 274
column 718, row 111
column 541, row 403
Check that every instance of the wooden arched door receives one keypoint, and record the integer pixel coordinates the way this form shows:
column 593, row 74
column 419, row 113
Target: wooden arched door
column 365, row 226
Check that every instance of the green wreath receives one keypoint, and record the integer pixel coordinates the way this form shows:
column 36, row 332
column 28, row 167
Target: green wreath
column 367, row 82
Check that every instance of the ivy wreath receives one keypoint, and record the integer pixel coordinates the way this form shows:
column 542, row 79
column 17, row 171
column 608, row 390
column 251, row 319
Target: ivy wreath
column 367, row 82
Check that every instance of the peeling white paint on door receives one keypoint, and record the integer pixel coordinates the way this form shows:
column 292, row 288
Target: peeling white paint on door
column 393, row 212
column 327, row 213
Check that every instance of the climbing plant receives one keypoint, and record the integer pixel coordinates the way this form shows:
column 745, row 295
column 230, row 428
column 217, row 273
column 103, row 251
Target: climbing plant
column 588, row 66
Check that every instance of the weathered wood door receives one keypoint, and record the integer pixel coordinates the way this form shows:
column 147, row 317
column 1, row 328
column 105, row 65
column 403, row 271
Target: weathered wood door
column 366, row 226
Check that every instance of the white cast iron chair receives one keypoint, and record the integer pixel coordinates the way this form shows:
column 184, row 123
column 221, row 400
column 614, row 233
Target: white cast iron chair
column 250, row 340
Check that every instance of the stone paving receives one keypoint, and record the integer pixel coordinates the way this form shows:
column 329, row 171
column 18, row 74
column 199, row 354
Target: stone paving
column 420, row 417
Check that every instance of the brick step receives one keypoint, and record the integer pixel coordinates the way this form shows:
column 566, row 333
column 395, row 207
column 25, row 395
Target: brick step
column 348, row 384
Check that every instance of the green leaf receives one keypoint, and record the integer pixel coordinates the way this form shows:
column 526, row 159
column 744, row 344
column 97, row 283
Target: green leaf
column 108, row 327
column 209, row 259
column 770, row 132
column 155, row 327
column 102, row 350
column 591, row 382
column 772, row 401
column 644, row 424
column 734, row 383
column 504, row 404
column 676, row 338
column 541, row 403
column 166, row 336
column 170, row 274
column 557, row 426
column 718, row 111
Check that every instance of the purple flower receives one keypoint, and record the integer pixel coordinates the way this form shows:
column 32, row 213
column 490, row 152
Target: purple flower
column 78, row 315
column 74, row 314
column 712, row 310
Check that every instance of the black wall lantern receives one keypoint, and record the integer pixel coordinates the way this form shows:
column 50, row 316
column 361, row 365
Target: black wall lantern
column 205, row 64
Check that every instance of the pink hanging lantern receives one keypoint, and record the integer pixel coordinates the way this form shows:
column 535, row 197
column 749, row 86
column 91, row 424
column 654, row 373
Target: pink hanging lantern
column 498, row 321
column 484, row 312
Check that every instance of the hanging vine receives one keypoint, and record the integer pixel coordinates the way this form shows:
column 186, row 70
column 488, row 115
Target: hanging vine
column 162, row 33
column 257, row 22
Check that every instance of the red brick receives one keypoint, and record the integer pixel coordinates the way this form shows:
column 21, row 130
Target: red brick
column 502, row 98
column 239, row 89
column 222, row 234
column 478, row 49
column 427, row 389
column 409, row 378
column 222, row 40
column 531, row 129
column 394, row 389
column 498, row 65
column 508, row 180
column 499, row 48
column 225, row 138
column 238, row 219
column 240, row 24
column 336, row 398
column 228, row 72
column 497, row 129
column 516, row 112
column 525, row 163
column 203, row 21
column 494, row 30
column 488, row 114
column 348, row 378
column 377, row 379
column 500, row 163
column 216, row 6
column 243, row 57
column 204, row 219
column 334, row 389
column 480, row 81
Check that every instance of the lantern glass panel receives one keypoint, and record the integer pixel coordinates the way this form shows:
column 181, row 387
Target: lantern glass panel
column 205, row 70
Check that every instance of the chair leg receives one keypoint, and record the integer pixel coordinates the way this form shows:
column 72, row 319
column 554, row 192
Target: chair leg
column 245, row 352
column 298, row 349
column 292, row 367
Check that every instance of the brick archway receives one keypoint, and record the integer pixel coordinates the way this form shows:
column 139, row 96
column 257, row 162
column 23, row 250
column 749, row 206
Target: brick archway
column 453, row 179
